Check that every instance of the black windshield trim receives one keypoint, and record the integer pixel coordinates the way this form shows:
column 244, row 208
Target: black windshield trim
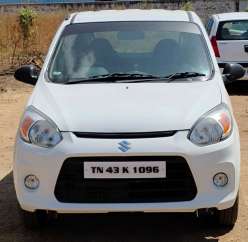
column 183, row 26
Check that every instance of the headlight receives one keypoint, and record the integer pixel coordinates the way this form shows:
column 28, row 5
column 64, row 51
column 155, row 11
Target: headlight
column 38, row 129
column 213, row 127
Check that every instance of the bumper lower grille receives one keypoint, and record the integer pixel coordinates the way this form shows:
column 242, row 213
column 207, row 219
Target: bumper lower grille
column 179, row 185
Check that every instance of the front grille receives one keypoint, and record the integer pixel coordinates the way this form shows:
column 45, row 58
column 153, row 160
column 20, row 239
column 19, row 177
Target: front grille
column 134, row 135
column 179, row 185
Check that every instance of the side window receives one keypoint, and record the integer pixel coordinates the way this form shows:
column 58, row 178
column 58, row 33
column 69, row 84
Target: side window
column 233, row 30
column 209, row 25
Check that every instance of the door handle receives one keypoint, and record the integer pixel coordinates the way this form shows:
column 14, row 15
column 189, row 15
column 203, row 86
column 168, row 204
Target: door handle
column 246, row 48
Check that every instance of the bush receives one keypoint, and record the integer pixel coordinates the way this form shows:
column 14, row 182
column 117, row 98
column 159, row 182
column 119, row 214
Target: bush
column 187, row 6
column 26, row 21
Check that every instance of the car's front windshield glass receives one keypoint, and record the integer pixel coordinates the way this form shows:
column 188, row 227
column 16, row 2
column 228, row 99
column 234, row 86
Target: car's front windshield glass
column 158, row 49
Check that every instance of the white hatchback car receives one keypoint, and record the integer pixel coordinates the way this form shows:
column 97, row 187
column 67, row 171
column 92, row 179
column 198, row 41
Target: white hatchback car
column 129, row 114
column 228, row 33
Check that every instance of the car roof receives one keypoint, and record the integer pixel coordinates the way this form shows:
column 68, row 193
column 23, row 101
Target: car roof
column 232, row 16
column 130, row 15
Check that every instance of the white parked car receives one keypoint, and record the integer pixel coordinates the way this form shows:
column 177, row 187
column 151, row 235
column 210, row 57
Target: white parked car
column 129, row 114
column 228, row 33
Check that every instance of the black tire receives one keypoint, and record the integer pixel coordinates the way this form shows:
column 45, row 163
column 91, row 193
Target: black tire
column 228, row 217
column 33, row 220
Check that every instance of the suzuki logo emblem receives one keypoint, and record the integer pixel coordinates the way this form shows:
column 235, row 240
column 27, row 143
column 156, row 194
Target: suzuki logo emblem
column 124, row 146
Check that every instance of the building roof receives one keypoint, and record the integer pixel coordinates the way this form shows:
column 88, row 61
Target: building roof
column 130, row 15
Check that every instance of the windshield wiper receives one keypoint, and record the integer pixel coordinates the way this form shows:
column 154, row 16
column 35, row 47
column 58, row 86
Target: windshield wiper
column 114, row 77
column 168, row 78
column 135, row 77
column 181, row 75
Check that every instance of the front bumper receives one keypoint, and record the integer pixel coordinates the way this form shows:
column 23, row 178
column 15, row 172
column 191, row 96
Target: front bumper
column 204, row 163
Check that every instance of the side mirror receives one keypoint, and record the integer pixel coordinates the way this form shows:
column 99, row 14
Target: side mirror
column 233, row 72
column 27, row 74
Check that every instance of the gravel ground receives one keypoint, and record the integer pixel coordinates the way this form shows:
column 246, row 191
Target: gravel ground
column 114, row 227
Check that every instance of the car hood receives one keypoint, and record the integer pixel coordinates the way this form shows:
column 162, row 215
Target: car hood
column 132, row 107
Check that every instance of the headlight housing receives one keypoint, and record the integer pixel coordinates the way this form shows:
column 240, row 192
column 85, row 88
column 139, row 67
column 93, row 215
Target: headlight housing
column 38, row 129
column 213, row 127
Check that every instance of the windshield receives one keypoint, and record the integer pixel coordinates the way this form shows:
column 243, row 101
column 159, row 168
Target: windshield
column 145, row 48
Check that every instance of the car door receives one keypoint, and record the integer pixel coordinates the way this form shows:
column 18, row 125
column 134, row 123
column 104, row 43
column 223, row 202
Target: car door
column 232, row 40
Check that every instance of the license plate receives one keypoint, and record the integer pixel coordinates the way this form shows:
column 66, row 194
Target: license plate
column 120, row 170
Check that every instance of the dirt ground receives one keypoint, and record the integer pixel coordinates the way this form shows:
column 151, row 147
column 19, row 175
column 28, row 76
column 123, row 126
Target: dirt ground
column 118, row 227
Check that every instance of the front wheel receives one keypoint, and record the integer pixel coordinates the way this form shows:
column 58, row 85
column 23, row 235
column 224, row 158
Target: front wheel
column 228, row 217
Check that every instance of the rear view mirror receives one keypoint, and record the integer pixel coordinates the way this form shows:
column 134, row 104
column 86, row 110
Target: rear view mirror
column 131, row 35
column 233, row 72
column 27, row 74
